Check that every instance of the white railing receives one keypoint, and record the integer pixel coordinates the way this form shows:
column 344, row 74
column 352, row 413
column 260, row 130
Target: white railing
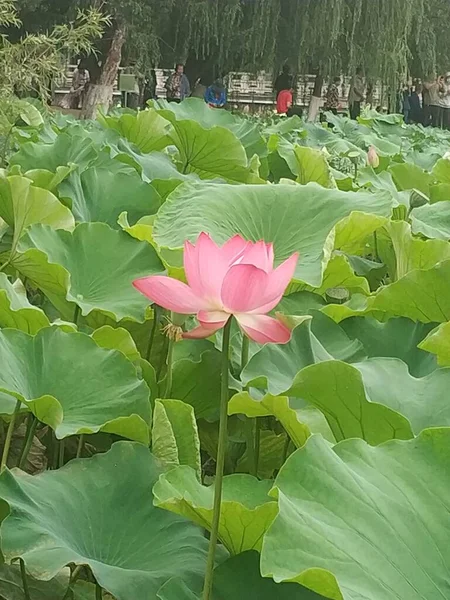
column 245, row 88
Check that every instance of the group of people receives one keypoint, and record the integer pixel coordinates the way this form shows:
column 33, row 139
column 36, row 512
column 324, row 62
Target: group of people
column 284, row 90
column 428, row 102
column 178, row 88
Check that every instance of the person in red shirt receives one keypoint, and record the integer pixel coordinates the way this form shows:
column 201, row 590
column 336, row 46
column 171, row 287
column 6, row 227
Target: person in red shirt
column 284, row 101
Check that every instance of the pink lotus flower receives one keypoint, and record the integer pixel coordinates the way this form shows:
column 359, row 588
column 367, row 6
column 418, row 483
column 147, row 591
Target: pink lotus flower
column 372, row 158
column 235, row 279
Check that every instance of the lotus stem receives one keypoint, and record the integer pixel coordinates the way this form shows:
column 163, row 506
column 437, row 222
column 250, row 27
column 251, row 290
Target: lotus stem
column 61, row 454
column 250, row 429
column 33, row 423
column 169, row 375
column 73, row 579
column 156, row 317
column 76, row 314
column 26, row 590
column 375, row 246
column 257, row 445
column 8, row 438
column 98, row 592
column 163, row 358
column 244, row 351
column 220, row 463
column 80, row 445
column 250, row 423
column 287, row 443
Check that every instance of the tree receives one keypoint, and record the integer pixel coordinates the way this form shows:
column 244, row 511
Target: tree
column 28, row 64
column 387, row 38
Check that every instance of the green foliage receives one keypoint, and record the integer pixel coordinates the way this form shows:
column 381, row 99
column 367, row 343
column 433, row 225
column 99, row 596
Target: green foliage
column 337, row 440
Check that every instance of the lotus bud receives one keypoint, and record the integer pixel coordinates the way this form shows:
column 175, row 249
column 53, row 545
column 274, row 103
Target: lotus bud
column 372, row 158
column 447, row 155
column 417, row 199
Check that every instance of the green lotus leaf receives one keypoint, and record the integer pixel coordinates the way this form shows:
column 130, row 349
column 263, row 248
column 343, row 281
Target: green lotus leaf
column 408, row 176
column 432, row 220
column 209, row 153
column 274, row 367
column 403, row 253
column 246, row 509
column 92, row 267
column 65, row 149
column 353, row 231
column 300, row 303
column 29, row 113
column 146, row 129
column 396, row 338
column 247, row 132
column 294, row 217
column 361, row 522
column 197, row 382
column 272, row 449
column 440, row 192
column 277, row 406
column 337, row 390
column 238, row 577
column 103, row 392
column 101, row 193
column 357, row 306
column 131, row 546
column 175, row 438
column 441, row 170
column 422, row 400
column 421, row 295
column 339, row 273
column 15, row 309
column 438, row 343
column 158, row 168
column 47, row 180
column 11, row 586
column 116, row 339
column 308, row 164
column 22, row 204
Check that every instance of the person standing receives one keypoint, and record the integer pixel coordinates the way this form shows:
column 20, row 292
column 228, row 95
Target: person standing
column 177, row 85
column 426, row 105
column 406, row 103
column 284, row 101
column 445, row 101
column 416, row 114
column 332, row 98
column 356, row 94
column 80, row 80
column 433, row 90
column 283, row 82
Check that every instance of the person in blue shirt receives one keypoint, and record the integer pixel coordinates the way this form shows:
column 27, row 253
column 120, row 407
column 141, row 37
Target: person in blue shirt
column 216, row 94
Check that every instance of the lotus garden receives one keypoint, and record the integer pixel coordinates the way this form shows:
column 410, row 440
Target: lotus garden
column 225, row 352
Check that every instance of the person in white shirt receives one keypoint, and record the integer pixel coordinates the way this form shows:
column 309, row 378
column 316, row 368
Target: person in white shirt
column 445, row 101
column 433, row 93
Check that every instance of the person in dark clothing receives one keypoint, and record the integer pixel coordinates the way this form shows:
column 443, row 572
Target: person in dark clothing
column 416, row 112
column 149, row 88
column 406, row 104
column 283, row 81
